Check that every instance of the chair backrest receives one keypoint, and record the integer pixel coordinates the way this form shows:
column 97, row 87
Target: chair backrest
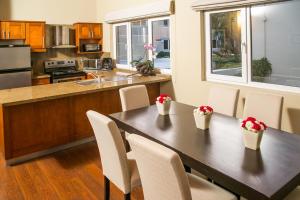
column 161, row 170
column 112, row 150
column 223, row 100
column 264, row 107
column 134, row 97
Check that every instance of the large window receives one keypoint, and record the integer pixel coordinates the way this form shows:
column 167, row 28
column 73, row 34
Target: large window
column 257, row 45
column 129, row 45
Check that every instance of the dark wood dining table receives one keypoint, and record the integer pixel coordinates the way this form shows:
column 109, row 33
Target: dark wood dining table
column 271, row 172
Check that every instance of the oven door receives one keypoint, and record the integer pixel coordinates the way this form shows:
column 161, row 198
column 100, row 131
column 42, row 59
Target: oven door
column 68, row 79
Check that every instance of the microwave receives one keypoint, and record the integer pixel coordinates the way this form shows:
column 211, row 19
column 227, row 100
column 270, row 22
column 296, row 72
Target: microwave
column 91, row 47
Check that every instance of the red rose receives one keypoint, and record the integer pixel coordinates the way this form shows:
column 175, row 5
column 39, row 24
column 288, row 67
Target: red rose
column 256, row 127
column 252, row 119
column 264, row 125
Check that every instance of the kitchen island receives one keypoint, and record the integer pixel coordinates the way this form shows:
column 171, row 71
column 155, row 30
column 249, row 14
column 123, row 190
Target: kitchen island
column 42, row 119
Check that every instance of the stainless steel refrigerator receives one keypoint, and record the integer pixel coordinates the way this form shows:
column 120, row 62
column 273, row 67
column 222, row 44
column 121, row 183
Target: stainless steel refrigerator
column 15, row 66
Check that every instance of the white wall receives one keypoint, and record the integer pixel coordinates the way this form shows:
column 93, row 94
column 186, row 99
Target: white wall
column 51, row 11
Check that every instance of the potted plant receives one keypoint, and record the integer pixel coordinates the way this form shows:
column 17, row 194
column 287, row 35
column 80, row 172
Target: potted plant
column 163, row 103
column 202, row 116
column 145, row 66
column 253, row 132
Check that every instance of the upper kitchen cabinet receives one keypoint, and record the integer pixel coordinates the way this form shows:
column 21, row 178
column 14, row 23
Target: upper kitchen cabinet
column 35, row 36
column 88, row 30
column 88, row 37
column 83, row 31
column 13, row 30
column 96, row 31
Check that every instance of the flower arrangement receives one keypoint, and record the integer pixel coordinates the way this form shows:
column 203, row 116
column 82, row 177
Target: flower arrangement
column 143, row 65
column 163, row 98
column 202, row 116
column 163, row 103
column 252, row 124
column 253, row 132
column 204, row 110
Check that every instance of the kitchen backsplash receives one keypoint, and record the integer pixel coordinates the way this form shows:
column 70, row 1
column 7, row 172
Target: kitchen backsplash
column 38, row 59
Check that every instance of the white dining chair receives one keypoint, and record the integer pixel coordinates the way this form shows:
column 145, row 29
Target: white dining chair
column 223, row 100
column 117, row 166
column 134, row 97
column 163, row 177
column 264, row 107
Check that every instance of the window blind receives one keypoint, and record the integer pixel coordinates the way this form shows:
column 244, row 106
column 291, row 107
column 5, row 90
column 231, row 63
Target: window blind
column 155, row 9
column 202, row 5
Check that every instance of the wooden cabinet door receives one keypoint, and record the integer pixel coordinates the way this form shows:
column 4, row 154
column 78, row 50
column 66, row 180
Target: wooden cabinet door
column 35, row 36
column 96, row 31
column 15, row 30
column 84, row 31
column 2, row 30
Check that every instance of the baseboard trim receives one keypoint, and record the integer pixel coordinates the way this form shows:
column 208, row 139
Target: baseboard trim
column 38, row 154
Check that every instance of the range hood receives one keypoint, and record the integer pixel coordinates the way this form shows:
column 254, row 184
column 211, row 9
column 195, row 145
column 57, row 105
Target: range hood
column 60, row 36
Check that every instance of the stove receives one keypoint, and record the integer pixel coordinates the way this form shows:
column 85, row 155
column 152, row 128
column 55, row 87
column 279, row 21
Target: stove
column 63, row 71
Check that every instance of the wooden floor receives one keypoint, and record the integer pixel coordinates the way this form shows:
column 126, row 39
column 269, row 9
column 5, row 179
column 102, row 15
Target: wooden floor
column 71, row 174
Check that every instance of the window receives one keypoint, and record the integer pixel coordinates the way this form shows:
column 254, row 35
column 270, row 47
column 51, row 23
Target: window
column 121, row 44
column 130, row 38
column 257, row 45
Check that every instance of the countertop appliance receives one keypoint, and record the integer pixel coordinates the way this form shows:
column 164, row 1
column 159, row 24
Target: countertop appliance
column 15, row 66
column 91, row 64
column 107, row 64
column 63, row 71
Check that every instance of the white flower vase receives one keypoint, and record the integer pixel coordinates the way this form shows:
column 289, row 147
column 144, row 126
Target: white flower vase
column 252, row 140
column 163, row 108
column 202, row 121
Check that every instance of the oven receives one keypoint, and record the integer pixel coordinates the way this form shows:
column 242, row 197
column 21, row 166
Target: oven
column 63, row 71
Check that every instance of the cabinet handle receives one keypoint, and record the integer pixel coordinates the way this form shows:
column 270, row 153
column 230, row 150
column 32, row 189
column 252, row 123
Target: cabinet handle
column 3, row 33
column 43, row 45
column 92, row 34
column 8, row 35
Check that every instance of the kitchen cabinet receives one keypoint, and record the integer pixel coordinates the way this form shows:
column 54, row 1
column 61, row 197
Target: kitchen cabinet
column 35, row 36
column 96, row 31
column 12, row 30
column 41, row 81
column 88, row 30
column 88, row 33
column 83, row 31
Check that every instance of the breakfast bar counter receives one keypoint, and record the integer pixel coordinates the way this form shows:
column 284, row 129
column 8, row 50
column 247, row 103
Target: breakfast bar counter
column 42, row 119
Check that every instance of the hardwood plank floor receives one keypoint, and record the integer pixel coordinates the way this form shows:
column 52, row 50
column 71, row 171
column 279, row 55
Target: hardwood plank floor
column 70, row 174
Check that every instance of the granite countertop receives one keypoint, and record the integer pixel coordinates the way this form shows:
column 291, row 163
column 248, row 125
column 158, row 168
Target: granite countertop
column 53, row 91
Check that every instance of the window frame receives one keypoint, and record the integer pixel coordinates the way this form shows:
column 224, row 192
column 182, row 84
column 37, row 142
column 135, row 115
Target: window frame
column 208, row 56
column 150, row 41
column 247, row 81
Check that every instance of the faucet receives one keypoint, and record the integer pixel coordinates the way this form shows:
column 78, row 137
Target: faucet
column 96, row 77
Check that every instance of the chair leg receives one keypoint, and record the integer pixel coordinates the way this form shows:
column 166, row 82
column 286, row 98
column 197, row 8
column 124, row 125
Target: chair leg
column 106, row 188
column 127, row 196
column 187, row 169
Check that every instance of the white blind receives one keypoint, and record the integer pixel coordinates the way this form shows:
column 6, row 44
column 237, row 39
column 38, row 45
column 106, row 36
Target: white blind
column 155, row 9
column 201, row 5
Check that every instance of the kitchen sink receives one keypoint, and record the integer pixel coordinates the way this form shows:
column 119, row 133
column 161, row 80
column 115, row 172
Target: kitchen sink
column 105, row 79
column 87, row 82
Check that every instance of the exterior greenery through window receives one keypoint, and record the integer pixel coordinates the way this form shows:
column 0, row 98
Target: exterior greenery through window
column 256, row 45
column 130, row 45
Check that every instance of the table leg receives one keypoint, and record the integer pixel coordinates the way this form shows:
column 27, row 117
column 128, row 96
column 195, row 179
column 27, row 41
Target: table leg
column 187, row 169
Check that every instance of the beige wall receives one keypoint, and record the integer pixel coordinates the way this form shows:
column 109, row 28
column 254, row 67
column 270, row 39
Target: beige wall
column 188, row 67
column 51, row 11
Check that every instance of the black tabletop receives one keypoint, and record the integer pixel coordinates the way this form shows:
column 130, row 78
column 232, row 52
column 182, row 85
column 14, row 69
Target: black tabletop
column 219, row 153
